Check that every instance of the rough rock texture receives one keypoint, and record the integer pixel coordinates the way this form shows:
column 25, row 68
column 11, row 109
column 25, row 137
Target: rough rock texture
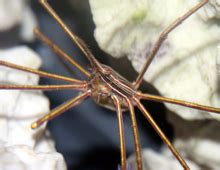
column 157, row 161
column 212, row 10
column 17, row 13
column 20, row 146
column 198, row 140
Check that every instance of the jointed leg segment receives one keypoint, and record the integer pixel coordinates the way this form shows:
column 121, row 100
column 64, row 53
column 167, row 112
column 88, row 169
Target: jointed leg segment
column 161, row 39
column 43, row 87
column 77, row 84
column 60, row 109
column 38, row 72
column 59, row 51
column 135, row 133
column 178, row 102
column 161, row 134
column 79, row 42
column 121, row 133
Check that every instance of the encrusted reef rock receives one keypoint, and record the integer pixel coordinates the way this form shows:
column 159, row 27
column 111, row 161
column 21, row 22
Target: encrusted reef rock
column 20, row 146
column 156, row 161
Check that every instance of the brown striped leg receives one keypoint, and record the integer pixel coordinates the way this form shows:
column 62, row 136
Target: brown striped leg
column 161, row 134
column 161, row 39
column 136, row 136
column 60, row 109
column 43, row 87
column 179, row 102
column 121, row 133
column 59, row 51
column 38, row 72
column 79, row 42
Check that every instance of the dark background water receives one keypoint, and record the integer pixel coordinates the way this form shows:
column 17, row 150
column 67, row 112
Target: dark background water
column 87, row 135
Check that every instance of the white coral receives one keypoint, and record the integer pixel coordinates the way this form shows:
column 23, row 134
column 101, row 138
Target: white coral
column 20, row 146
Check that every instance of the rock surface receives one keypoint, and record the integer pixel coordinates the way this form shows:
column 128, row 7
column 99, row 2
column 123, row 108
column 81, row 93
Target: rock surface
column 212, row 10
column 157, row 161
column 198, row 140
column 20, row 146
column 21, row 16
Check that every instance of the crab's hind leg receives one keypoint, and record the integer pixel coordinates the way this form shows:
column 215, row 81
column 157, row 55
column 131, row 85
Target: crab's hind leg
column 179, row 102
column 60, row 109
column 161, row 39
column 59, row 51
column 161, row 134
column 135, row 134
column 121, row 133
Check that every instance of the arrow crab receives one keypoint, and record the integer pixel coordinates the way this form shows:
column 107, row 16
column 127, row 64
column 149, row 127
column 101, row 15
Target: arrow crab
column 106, row 87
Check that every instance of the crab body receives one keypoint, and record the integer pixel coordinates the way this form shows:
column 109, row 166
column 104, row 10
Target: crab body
column 106, row 83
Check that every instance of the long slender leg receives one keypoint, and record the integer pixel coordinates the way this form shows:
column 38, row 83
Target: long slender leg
column 79, row 42
column 43, row 87
column 161, row 134
column 59, row 51
column 136, row 136
column 121, row 133
column 38, row 72
column 161, row 39
column 60, row 109
column 179, row 102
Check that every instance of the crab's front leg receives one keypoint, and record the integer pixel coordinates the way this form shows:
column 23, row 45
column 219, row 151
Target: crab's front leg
column 162, row 38
column 78, row 41
column 38, row 72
